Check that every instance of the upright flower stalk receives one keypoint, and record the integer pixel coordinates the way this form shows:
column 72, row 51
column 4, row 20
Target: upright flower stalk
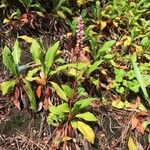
column 80, row 33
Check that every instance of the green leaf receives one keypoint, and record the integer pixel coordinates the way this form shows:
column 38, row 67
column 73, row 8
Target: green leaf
column 131, row 144
column 149, row 138
column 50, row 56
column 88, row 116
column 145, row 41
column 102, row 51
column 80, row 66
column 30, row 94
column 62, row 108
column 7, row 86
column 8, row 61
column 145, row 124
column 31, row 73
column 140, row 78
column 93, row 67
column 36, row 51
column 16, row 53
column 67, row 90
column 59, row 91
column 87, row 131
column 82, row 104
column 26, row 3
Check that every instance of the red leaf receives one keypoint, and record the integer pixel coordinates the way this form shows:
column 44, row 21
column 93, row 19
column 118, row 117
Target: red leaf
column 39, row 91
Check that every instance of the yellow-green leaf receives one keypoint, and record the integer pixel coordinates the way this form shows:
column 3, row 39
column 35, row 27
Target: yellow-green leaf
column 59, row 91
column 118, row 104
column 127, row 42
column 131, row 144
column 7, row 86
column 74, row 124
column 36, row 51
column 16, row 53
column 88, row 116
column 26, row 38
column 87, row 131
column 103, row 24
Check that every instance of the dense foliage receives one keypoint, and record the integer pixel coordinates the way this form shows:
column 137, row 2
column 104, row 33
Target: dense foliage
column 99, row 54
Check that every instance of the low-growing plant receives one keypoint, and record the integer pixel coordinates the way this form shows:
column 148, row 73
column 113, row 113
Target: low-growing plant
column 22, row 88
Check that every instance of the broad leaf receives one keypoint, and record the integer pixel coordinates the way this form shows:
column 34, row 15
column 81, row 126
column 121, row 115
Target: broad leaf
column 88, row 116
column 16, row 53
column 140, row 78
column 50, row 56
column 68, row 91
column 80, row 66
column 82, row 104
column 87, row 131
column 7, row 86
column 131, row 144
column 30, row 94
column 62, row 108
column 102, row 51
column 59, row 91
column 8, row 61
column 31, row 73
column 36, row 51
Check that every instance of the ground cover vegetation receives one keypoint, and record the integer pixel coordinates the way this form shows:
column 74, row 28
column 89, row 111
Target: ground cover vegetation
column 75, row 74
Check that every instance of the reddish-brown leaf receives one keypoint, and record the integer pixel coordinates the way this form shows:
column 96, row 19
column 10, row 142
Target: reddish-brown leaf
column 134, row 122
column 40, row 81
column 39, row 91
column 95, row 104
column 47, row 92
column 143, row 114
column 76, row 51
column 46, row 104
column 17, row 93
column 16, row 103
column 140, row 128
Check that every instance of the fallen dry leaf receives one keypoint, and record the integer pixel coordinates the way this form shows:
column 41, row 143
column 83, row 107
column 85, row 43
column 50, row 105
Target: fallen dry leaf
column 134, row 122
column 140, row 128
column 143, row 114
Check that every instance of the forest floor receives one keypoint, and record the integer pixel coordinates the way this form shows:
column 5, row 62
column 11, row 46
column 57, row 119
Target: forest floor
column 22, row 130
